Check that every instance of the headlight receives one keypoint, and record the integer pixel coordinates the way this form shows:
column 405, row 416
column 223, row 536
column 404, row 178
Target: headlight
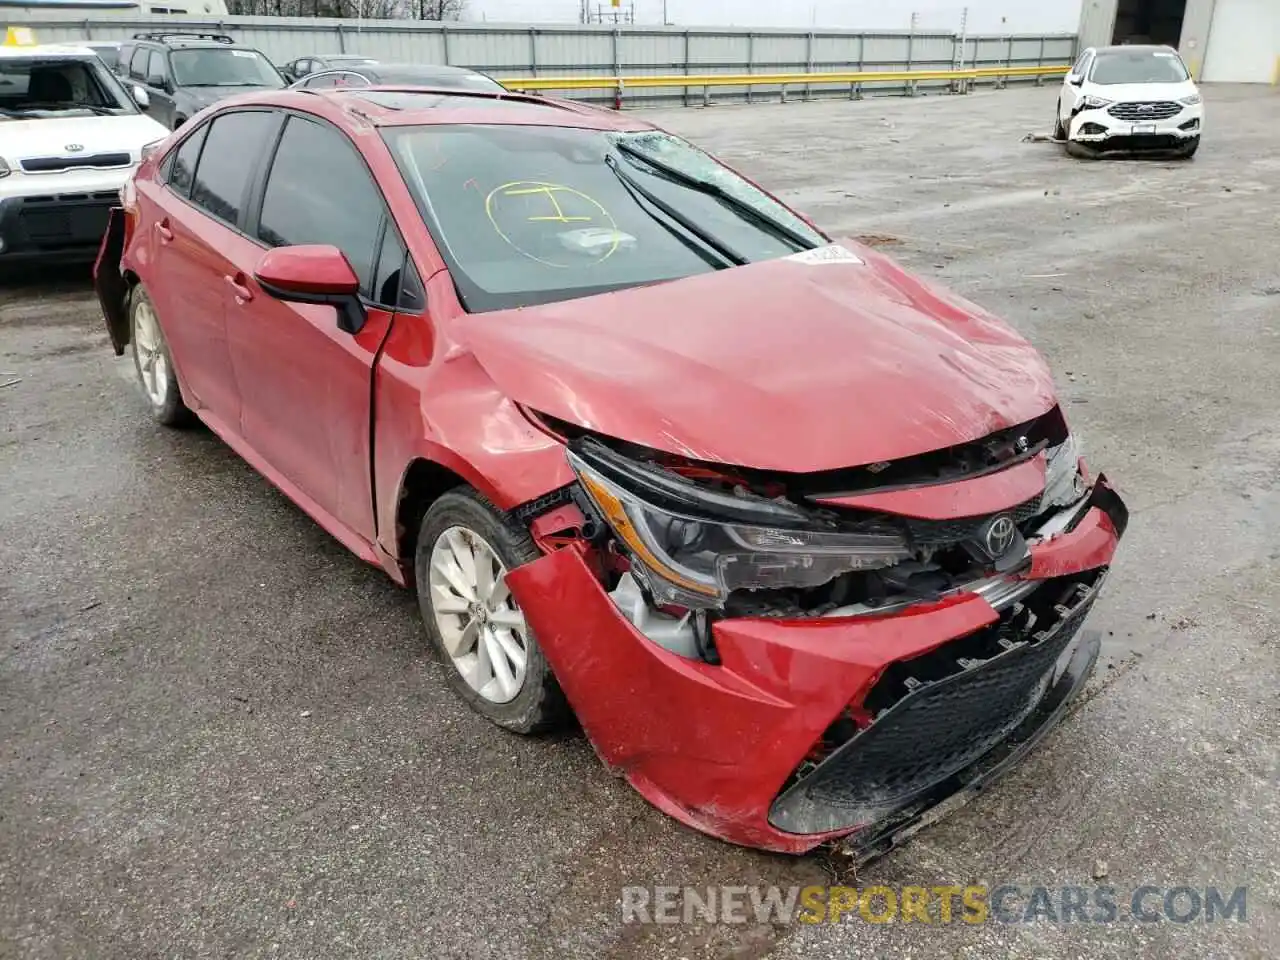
column 149, row 148
column 691, row 558
column 1064, row 484
column 1096, row 103
column 4, row 168
column 1192, row 100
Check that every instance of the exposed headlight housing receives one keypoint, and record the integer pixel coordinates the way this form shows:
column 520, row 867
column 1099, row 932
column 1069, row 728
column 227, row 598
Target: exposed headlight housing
column 1064, row 482
column 1096, row 103
column 694, row 546
column 1191, row 101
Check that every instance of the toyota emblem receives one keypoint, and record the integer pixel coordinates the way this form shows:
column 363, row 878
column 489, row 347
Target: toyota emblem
column 999, row 537
column 74, row 147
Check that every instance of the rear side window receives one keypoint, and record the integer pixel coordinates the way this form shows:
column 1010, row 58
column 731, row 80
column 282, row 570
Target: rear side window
column 182, row 173
column 138, row 64
column 233, row 145
column 155, row 67
column 319, row 191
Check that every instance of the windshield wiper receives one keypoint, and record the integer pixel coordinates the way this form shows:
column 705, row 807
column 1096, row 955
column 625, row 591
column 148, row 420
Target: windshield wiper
column 739, row 206
column 49, row 107
column 720, row 248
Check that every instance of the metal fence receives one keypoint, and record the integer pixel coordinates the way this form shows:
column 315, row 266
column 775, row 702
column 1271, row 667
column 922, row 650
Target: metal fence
column 543, row 51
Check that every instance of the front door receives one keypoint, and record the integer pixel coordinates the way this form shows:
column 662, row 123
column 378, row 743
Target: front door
column 305, row 385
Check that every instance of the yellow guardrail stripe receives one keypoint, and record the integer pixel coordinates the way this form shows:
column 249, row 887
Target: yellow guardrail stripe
column 773, row 79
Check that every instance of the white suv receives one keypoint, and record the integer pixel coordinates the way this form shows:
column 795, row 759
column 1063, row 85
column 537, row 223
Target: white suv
column 70, row 135
column 1129, row 98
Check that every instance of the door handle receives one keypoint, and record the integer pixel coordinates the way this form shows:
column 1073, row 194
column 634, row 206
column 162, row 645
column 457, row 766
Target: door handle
column 242, row 293
column 162, row 228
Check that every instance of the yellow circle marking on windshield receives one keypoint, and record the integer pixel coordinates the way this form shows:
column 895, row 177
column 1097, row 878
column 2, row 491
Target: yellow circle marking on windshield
column 559, row 204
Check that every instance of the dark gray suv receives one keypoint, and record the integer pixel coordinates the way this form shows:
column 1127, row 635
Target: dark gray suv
column 182, row 73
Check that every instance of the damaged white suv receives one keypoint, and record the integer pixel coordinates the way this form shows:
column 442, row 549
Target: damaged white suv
column 1129, row 99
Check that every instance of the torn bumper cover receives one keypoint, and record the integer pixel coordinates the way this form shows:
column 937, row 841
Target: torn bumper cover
column 813, row 728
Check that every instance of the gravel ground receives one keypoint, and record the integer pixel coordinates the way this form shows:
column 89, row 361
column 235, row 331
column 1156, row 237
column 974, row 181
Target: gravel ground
column 220, row 735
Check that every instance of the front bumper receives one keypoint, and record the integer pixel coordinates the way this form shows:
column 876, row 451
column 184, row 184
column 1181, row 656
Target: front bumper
column 54, row 225
column 736, row 749
column 1104, row 130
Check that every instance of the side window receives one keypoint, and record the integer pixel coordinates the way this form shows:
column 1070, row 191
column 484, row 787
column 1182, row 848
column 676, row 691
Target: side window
column 1085, row 63
column 235, row 141
column 319, row 191
column 182, row 174
column 155, row 68
column 138, row 64
column 395, row 282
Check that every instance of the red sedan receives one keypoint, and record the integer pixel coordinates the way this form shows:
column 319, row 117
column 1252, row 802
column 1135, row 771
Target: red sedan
column 804, row 542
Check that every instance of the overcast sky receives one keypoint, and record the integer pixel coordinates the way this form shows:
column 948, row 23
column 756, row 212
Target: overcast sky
column 985, row 16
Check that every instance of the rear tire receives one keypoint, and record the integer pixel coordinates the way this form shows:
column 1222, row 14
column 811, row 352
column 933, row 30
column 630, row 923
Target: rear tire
column 154, row 364
column 488, row 651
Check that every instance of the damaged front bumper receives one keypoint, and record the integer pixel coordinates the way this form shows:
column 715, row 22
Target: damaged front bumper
column 761, row 749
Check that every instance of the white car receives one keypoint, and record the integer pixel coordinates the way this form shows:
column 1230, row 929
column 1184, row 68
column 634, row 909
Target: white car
column 70, row 135
column 1129, row 98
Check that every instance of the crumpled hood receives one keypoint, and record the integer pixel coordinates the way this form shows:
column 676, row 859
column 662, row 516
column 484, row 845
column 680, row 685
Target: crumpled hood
column 798, row 364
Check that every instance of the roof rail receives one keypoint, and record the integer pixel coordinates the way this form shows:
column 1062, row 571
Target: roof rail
column 174, row 35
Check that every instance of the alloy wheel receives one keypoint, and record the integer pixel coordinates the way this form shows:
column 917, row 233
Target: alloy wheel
column 484, row 631
column 153, row 362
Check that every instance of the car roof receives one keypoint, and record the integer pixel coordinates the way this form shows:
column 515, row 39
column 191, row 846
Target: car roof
column 1136, row 48
column 384, row 105
column 426, row 69
column 68, row 51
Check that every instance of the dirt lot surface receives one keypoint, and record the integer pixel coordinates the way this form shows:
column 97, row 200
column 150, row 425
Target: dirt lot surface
column 221, row 736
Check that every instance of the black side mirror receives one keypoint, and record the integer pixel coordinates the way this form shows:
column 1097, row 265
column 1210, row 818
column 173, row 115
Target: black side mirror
column 1076, row 81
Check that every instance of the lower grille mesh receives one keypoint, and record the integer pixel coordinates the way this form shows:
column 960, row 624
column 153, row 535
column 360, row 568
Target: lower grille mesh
column 942, row 726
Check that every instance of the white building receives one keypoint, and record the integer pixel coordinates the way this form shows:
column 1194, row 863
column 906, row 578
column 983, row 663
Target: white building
column 1231, row 41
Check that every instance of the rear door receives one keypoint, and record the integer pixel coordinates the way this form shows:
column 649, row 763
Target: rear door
column 160, row 88
column 305, row 385
column 197, row 225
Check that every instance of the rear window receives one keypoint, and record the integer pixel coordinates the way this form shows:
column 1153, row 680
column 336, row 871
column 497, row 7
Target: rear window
column 445, row 80
column 108, row 55
column 60, row 86
column 1139, row 66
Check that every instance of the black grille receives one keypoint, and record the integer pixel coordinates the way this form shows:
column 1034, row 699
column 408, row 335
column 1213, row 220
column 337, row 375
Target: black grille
column 55, row 164
column 62, row 222
column 1140, row 112
column 941, row 726
column 941, row 533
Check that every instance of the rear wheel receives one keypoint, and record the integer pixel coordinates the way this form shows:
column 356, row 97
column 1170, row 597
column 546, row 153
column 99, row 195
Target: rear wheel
column 490, row 655
column 153, row 363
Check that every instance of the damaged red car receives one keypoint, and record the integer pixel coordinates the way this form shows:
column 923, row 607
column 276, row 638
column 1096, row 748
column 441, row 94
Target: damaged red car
column 802, row 541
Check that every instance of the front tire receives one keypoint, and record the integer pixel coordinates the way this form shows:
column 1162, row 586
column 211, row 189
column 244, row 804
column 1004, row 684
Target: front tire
column 154, row 364
column 465, row 548
column 1059, row 131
